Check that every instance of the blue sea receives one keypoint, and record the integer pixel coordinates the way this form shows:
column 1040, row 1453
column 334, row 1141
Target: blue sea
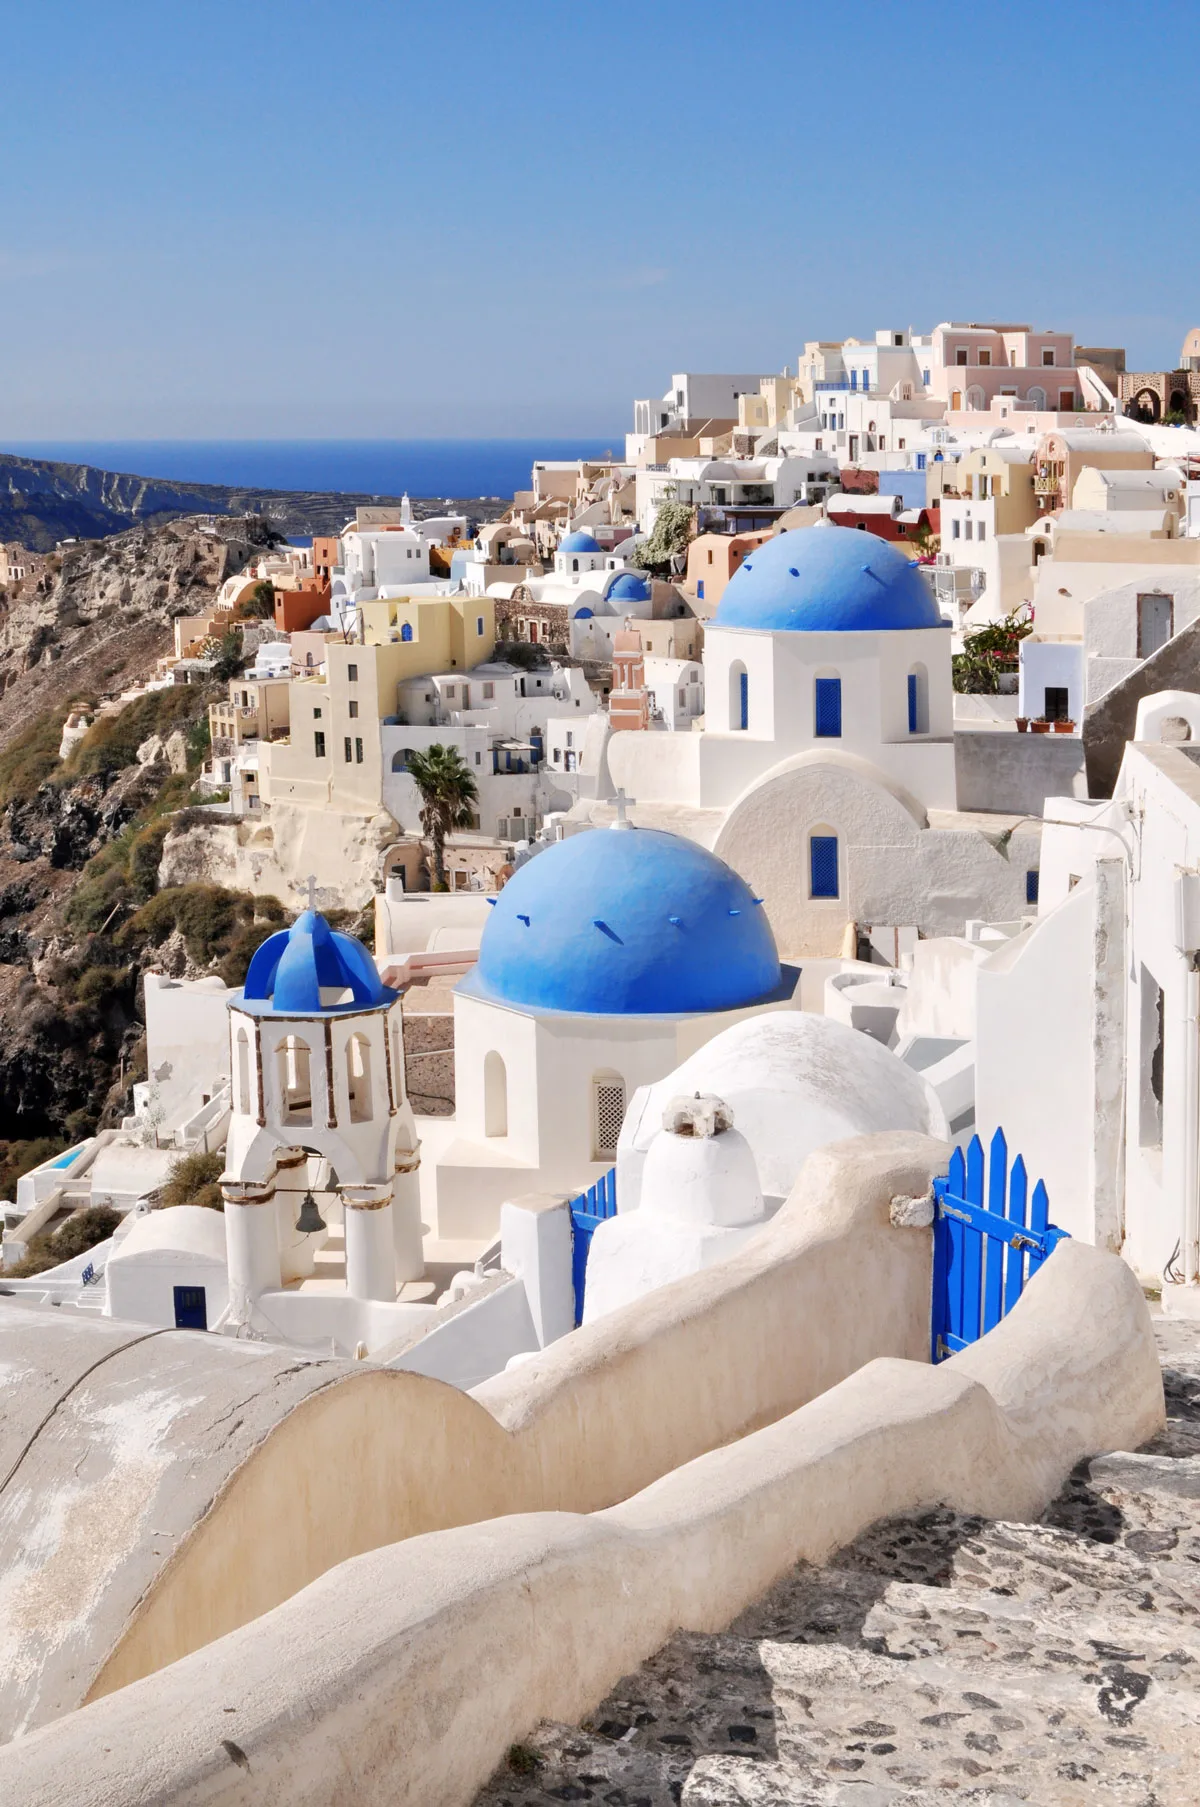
column 374, row 467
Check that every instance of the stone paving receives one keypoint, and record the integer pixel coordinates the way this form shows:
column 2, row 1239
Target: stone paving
column 938, row 1659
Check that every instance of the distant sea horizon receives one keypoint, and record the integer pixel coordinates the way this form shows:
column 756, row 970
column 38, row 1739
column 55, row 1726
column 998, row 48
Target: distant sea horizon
column 374, row 467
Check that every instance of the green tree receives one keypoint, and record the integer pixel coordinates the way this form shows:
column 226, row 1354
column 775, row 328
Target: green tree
column 674, row 527
column 447, row 795
column 261, row 602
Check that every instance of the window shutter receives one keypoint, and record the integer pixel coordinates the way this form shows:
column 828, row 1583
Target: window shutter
column 829, row 708
column 823, row 865
column 609, row 1113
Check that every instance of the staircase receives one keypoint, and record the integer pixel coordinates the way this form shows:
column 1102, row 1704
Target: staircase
column 938, row 1659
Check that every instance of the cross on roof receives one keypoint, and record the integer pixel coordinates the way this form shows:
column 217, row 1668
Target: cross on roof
column 622, row 802
column 311, row 886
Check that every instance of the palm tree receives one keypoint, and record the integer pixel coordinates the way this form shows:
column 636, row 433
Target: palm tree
column 447, row 793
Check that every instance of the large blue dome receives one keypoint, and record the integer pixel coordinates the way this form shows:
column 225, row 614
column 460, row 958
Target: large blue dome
column 579, row 542
column 823, row 579
column 629, row 587
column 292, row 969
column 626, row 922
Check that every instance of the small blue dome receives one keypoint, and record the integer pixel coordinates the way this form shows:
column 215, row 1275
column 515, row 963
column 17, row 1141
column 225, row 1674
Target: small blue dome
column 630, row 922
column 823, row 579
column 579, row 542
column 629, row 587
column 291, row 969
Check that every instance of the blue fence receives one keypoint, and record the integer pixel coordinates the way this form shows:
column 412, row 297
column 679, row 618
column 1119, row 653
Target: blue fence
column 588, row 1211
column 989, row 1237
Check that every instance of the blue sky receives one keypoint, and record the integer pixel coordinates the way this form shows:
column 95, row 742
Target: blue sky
column 352, row 218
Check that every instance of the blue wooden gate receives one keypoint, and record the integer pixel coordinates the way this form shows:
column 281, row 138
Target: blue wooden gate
column 588, row 1210
column 989, row 1237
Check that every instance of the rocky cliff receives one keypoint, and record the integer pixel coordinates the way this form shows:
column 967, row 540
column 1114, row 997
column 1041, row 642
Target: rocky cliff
column 42, row 503
column 81, row 909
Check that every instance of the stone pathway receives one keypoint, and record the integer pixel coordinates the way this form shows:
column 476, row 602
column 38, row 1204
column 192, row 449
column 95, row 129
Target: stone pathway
column 938, row 1659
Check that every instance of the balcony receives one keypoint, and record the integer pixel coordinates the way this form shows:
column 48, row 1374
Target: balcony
column 1046, row 486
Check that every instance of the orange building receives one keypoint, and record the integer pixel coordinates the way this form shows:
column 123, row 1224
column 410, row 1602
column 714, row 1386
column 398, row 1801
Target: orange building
column 628, row 705
column 299, row 608
column 712, row 560
column 324, row 555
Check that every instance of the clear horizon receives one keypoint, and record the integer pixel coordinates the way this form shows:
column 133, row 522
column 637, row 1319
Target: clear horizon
column 386, row 222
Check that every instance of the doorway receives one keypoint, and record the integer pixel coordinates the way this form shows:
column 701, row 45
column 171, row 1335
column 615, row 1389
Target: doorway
column 191, row 1308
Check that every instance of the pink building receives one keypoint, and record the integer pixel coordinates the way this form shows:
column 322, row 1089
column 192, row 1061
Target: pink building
column 970, row 366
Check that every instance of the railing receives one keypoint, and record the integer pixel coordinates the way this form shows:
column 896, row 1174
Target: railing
column 588, row 1211
column 1046, row 486
column 983, row 1254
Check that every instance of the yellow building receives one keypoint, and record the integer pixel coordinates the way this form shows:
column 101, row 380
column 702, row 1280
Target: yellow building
column 333, row 757
column 1004, row 476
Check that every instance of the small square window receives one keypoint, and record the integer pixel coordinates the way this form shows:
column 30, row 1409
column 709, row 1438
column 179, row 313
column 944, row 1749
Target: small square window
column 1048, row 356
column 353, row 710
column 316, row 715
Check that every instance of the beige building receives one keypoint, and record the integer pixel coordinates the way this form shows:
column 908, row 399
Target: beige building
column 1002, row 475
column 256, row 709
column 432, row 633
column 333, row 757
column 1063, row 453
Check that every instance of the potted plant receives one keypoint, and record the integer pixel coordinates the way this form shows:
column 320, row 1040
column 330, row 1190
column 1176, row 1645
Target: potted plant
column 1063, row 727
column 1022, row 724
column 1039, row 725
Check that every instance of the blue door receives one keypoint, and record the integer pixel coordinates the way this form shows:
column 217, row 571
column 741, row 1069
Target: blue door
column 191, row 1309
column 744, row 700
column 823, row 865
column 829, row 708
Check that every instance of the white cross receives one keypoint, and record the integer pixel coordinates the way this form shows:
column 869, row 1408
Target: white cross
column 622, row 801
column 311, row 883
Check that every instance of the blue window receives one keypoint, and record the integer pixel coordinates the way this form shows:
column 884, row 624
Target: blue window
column 479, row 624
column 700, row 590
column 854, row 379
column 920, row 461
column 823, row 865
column 744, row 700
column 406, row 631
column 925, row 378
column 1031, row 887
column 829, row 709
column 912, row 703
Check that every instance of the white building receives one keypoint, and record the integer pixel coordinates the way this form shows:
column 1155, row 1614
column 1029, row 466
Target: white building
column 1088, row 1023
column 607, row 958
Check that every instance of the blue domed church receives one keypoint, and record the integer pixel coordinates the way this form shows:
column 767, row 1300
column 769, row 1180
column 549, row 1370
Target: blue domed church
column 605, row 961
column 826, row 771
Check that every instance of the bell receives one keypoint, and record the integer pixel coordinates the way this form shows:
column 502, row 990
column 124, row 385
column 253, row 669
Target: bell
column 310, row 1219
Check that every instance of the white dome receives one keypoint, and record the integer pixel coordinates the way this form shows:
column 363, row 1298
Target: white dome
column 795, row 1082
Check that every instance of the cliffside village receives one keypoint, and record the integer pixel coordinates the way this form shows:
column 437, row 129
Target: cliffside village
column 816, row 793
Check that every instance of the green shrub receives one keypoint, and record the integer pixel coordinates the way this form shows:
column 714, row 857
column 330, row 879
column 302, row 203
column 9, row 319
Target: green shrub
column 111, row 743
column 93, row 1225
column 193, row 1179
column 32, row 758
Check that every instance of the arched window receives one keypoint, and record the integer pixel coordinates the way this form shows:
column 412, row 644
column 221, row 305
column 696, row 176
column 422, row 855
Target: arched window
column 918, row 700
column 739, row 696
column 824, row 878
column 827, row 708
column 608, row 1114
column 293, row 1065
column 241, row 1061
column 358, row 1079
column 1036, row 398
column 975, row 397
column 400, row 759
column 574, row 564
column 406, row 632
column 495, row 1095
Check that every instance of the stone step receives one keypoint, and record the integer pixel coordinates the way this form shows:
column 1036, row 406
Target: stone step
column 724, row 1720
